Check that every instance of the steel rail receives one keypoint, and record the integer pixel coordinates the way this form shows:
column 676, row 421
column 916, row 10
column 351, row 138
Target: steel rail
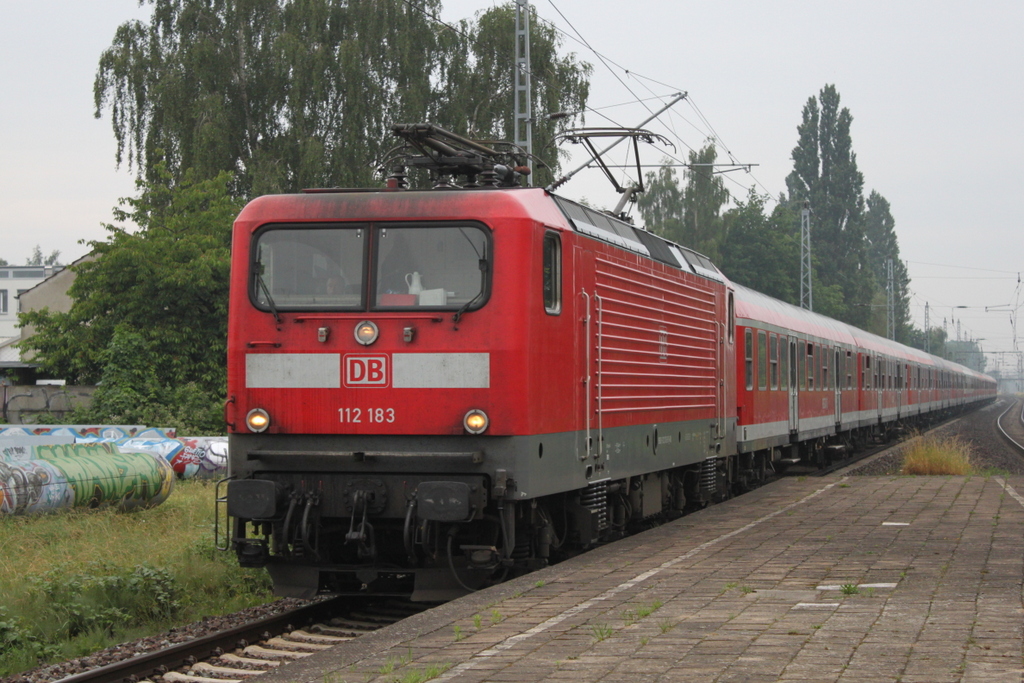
column 999, row 423
column 161, row 661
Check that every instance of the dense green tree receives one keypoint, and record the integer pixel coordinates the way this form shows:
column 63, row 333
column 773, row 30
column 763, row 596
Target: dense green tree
column 662, row 206
column 825, row 173
column 881, row 246
column 160, row 291
column 703, row 200
column 691, row 215
column 762, row 250
column 288, row 94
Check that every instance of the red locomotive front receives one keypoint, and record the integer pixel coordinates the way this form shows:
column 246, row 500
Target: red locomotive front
column 435, row 388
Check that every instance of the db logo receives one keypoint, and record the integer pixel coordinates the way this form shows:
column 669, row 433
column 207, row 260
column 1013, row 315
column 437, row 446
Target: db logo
column 366, row 371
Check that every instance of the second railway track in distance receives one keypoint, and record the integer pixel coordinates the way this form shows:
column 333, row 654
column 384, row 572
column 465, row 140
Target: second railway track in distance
column 1011, row 425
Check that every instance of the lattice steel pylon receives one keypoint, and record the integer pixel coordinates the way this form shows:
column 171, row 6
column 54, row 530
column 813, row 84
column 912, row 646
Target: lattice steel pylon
column 927, row 330
column 806, row 295
column 523, row 105
column 890, row 314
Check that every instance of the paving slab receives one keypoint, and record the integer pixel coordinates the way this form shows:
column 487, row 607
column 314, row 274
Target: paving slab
column 807, row 579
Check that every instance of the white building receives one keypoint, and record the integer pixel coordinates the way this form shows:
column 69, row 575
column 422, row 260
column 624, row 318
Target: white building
column 15, row 280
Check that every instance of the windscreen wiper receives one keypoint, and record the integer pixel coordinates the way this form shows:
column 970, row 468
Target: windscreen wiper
column 483, row 284
column 270, row 300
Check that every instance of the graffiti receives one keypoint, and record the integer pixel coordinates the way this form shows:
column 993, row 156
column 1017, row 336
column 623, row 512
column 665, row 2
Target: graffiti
column 86, row 433
column 201, row 456
column 56, row 476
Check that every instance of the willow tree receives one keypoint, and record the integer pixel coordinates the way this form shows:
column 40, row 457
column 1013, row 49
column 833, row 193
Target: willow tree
column 296, row 93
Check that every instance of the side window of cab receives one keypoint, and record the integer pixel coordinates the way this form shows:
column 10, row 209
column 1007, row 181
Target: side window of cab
column 552, row 273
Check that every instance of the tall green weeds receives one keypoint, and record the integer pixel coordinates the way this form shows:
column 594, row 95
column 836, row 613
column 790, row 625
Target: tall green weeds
column 78, row 581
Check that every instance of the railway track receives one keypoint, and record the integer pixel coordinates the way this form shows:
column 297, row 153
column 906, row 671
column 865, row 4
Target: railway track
column 245, row 652
column 1013, row 430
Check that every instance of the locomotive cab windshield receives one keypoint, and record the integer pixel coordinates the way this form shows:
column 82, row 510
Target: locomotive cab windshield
column 392, row 266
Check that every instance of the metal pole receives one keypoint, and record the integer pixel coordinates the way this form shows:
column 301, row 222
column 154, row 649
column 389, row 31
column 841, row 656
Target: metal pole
column 927, row 330
column 523, row 105
column 890, row 318
column 806, row 294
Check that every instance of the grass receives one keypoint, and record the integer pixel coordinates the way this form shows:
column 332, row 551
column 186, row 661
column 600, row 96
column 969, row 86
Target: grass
column 78, row 581
column 931, row 455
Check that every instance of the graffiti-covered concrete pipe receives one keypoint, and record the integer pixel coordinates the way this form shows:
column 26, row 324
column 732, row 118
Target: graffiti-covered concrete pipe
column 46, row 477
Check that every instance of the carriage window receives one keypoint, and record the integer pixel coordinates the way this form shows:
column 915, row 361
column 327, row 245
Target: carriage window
column 435, row 266
column 850, row 369
column 817, row 367
column 774, row 353
column 748, row 352
column 784, row 363
column 824, row 369
column 762, row 365
column 810, row 367
column 552, row 274
column 308, row 268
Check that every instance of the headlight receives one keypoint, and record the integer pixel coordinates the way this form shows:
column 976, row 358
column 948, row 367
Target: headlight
column 366, row 333
column 257, row 420
column 475, row 421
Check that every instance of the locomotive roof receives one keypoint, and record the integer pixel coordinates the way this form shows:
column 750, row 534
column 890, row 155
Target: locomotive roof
column 474, row 204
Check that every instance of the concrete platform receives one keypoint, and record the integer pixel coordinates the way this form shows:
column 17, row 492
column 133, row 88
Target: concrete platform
column 911, row 579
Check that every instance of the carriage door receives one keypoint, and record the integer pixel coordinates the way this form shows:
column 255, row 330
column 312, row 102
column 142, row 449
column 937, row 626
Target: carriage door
column 901, row 377
column 879, row 385
column 838, row 375
column 794, row 387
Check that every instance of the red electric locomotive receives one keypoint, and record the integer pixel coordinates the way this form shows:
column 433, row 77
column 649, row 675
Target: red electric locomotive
column 432, row 390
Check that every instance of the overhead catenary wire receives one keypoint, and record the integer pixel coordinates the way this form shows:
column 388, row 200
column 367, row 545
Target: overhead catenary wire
column 711, row 133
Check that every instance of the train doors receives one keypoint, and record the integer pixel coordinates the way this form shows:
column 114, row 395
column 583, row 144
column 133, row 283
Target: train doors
column 879, row 386
column 794, row 387
column 900, row 379
column 837, row 382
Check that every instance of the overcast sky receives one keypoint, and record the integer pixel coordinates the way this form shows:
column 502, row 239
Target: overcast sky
column 935, row 89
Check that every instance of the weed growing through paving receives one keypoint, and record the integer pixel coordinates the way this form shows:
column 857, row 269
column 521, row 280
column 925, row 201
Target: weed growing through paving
column 665, row 625
column 458, row 632
column 422, row 675
column 601, row 632
column 496, row 616
column 644, row 641
column 539, row 584
column 849, row 589
column 630, row 617
column 393, row 663
column 746, row 590
column 932, row 455
column 477, row 620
